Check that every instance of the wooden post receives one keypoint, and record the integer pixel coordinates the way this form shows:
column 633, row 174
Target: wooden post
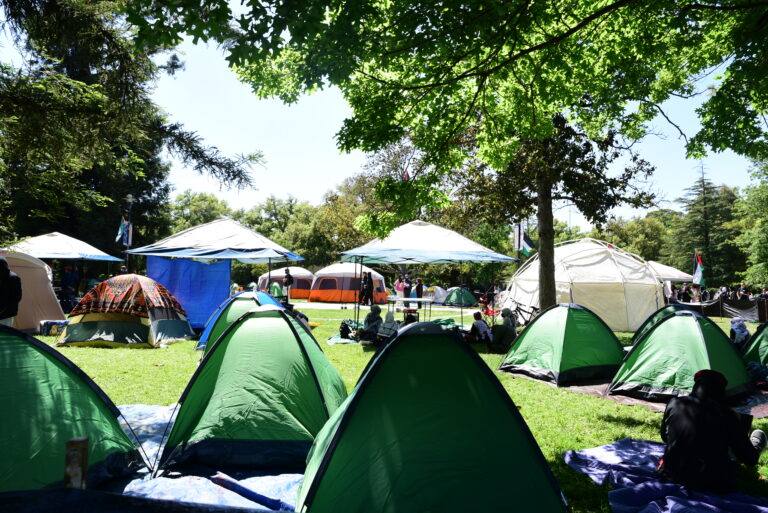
column 76, row 465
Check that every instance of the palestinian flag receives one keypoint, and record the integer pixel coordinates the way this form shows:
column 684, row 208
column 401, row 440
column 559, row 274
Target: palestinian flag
column 698, row 270
column 523, row 243
column 125, row 233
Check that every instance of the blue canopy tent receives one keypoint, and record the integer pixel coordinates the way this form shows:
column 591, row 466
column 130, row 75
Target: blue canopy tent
column 419, row 242
column 195, row 264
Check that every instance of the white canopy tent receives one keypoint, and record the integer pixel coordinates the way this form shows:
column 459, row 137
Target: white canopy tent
column 618, row 286
column 668, row 273
column 223, row 239
column 419, row 242
column 195, row 264
column 38, row 301
column 60, row 247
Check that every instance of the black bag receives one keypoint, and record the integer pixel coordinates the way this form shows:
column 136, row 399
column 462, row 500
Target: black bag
column 344, row 329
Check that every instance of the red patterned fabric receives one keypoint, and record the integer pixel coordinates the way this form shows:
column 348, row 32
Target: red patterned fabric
column 129, row 294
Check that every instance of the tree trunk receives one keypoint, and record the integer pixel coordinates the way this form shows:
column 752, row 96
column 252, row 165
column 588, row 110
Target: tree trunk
column 547, row 295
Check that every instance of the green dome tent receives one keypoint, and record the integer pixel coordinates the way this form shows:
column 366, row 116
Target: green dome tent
column 756, row 349
column 656, row 318
column 414, row 436
column 661, row 365
column 259, row 397
column 230, row 311
column 460, row 297
column 48, row 400
column 564, row 344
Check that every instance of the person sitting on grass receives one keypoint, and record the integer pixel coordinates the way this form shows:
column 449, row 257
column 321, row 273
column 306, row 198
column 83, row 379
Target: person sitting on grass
column 702, row 433
column 739, row 332
column 371, row 326
column 505, row 333
column 480, row 333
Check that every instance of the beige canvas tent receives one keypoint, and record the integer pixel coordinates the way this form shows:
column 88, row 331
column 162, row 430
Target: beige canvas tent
column 620, row 287
column 38, row 302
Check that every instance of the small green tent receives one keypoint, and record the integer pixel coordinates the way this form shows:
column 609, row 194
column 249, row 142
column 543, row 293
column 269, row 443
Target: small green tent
column 756, row 349
column 460, row 297
column 258, row 398
column 48, row 400
column 564, row 344
column 229, row 311
column 661, row 365
column 276, row 290
column 414, row 437
column 656, row 318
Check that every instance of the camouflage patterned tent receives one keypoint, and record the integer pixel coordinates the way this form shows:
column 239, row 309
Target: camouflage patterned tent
column 126, row 310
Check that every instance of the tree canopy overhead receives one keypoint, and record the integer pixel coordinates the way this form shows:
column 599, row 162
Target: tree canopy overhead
column 503, row 69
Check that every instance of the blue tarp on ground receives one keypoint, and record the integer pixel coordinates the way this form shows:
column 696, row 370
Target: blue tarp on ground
column 149, row 423
column 629, row 466
column 199, row 287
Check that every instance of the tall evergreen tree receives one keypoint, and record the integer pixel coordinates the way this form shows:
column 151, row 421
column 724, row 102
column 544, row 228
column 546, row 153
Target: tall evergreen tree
column 708, row 225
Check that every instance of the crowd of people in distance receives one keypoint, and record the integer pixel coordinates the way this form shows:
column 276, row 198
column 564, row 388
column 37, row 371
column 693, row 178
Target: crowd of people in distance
column 692, row 293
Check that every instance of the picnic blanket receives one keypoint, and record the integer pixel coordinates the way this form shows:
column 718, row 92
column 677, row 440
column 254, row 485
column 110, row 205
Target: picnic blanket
column 629, row 466
column 149, row 423
column 337, row 338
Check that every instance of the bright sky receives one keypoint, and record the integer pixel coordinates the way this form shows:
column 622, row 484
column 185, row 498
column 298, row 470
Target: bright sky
column 299, row 146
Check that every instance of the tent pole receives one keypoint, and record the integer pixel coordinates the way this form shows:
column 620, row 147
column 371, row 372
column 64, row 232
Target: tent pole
column 357, row 289
column 269, row 273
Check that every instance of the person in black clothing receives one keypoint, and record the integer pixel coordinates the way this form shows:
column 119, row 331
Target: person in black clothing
column 366, row 294
column 10, row 293
column 407, row 290
column 419, row 290
column 701, row 433
column 743, row 292
column 287, row 283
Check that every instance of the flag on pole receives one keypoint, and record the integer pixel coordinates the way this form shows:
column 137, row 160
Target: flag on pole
column 125, row 233
column 527, row 246
column 523, row 243
column 698, row 270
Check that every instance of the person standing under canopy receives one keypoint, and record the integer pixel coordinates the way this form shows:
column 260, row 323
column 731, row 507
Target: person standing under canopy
column 287, row 284
column 10, row 293
column 701, row 433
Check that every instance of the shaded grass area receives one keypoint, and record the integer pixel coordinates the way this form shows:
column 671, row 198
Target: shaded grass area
column 559, row 420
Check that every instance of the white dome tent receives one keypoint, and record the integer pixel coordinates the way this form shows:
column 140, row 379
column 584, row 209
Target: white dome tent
column 617, row 285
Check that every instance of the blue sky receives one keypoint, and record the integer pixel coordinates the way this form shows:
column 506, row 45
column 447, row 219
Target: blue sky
column 299, row 147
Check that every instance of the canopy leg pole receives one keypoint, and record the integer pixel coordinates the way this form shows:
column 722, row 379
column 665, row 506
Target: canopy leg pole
column 357, row 289
column 269, row 274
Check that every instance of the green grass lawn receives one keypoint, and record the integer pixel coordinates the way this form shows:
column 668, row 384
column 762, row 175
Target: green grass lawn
column 560, row 420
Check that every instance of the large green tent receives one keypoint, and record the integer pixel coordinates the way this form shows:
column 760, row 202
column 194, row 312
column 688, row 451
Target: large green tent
column 656, row 318
column 414, row 436
column 661, row 365
column 460, row 297
column 756, row 349
column 258, row 399
column 48, row 400
column 564, row 344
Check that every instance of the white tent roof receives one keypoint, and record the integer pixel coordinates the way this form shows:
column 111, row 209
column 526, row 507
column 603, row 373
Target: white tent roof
column 59, row 246
column 347, row 270
column 668, row 273
column 618, row 286
column 419, row 242
column 220, row 239
column 296, row 272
